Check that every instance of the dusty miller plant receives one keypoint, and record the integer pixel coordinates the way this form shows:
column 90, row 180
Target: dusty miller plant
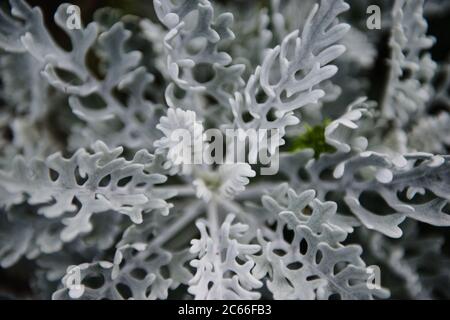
column 95, row 203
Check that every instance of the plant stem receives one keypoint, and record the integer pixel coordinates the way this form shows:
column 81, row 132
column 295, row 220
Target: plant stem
column 255, row 190
column 181, row 190
column 249, row 219
column 213, row 218
column 191, row 213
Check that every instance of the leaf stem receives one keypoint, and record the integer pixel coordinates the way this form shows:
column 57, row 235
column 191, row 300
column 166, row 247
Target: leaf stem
column 181, row 190
column 192, row 212
column 248, row 219
column 213, row 218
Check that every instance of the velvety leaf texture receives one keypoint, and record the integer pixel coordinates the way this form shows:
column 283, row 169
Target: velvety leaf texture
column 225, row 150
